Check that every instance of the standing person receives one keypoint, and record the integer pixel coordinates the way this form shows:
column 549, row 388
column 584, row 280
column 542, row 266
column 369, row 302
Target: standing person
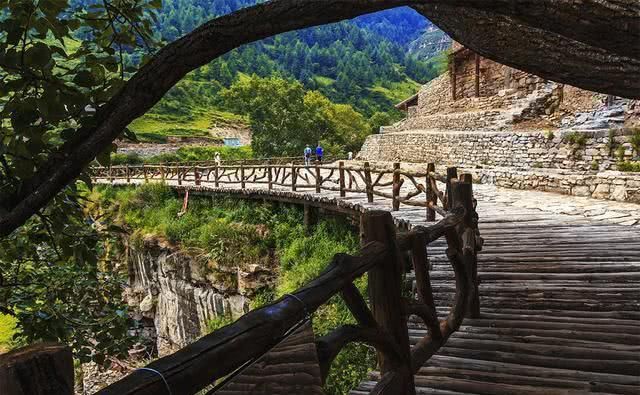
column 307, row 155
column 350, row 155
column 216, row 158
column 319, row 153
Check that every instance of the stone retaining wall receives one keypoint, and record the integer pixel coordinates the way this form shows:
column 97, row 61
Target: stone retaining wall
column 608, row 185
column 518, row 149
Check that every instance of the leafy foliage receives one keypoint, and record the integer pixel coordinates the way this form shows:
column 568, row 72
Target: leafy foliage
column 185, row 154
column 54, row 284
column 59, row 62
column 284, row 117
column 629, row 166
column 219, row 227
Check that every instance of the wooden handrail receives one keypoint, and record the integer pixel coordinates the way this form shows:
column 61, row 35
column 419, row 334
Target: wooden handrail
column 220, row 353
column 340, row 177
column 384, row 327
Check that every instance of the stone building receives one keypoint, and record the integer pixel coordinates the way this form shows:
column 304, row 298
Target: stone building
column 477, row 92
column 517, row 130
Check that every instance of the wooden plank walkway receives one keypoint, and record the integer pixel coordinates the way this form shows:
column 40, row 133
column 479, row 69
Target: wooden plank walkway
column 560, row 310
column 560, row 301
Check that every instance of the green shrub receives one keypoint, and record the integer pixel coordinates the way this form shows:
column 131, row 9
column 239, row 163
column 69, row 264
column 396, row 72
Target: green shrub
column 8, row 329
column 629, row 166
column 549, row 135
column 231, row 232
column 201, row 153
column 635, row 140
column 218, row 322
column 130, row 158
column 595, row 165
column 578, row 140
column 537, row 165
column 611, row 141
column 620, row 152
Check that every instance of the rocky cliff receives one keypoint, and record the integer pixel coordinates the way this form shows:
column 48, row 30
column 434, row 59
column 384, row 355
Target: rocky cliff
column 180, row 291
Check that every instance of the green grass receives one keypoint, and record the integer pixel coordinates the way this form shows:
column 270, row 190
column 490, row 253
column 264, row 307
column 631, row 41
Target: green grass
column 7, row 331
column 629, row 166
column 323, row 81
column 397, row 91
column 153, row 127
column 232, row 233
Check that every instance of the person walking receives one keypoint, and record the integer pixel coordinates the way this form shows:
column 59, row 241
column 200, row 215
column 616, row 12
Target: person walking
column 307, row 155
column 319, row 153
column 216, row 158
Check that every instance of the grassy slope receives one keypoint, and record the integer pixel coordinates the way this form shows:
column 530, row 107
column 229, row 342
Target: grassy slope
column 227, row 233
column 398, row 91
column 153, row 127
column 7, row 330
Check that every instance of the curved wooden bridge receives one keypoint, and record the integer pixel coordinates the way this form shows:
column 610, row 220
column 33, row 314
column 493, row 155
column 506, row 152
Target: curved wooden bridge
column 559, row 295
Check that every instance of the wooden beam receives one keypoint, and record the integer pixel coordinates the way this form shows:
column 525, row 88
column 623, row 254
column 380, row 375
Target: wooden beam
column 452, row 61
column 477, row 75
column 40, row 369
column 221, row 352
column 385, row 295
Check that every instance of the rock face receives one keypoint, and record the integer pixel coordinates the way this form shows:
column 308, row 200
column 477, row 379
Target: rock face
column 181, row 292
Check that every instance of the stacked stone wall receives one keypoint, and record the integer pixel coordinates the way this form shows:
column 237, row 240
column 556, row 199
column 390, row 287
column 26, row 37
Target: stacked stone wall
column 608, row 185
column 525, row 150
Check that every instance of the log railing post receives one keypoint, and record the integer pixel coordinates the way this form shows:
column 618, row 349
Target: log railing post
column 385, row 294
column 162, row 176
column 318, row 178
column 127, row 173
column 270, row 176
column 216, row 176
column 42, row 368
column 110, row 174
column 431, row 194
column 196, row 174
column 144, row 174
column 343, row 193
column 469, row 243
column 368, row 182
column 396, row 187
column 242, row 181
column 452, row 174
column 179, row 171
column 294, row 177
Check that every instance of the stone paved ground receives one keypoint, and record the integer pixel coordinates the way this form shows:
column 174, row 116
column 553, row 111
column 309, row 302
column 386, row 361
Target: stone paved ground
column 596, row 210
column 606, row 211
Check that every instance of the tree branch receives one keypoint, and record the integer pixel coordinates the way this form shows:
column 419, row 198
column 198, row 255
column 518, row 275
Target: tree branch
column 513, row 34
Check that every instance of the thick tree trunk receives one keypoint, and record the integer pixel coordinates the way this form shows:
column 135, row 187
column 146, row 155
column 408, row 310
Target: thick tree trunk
column 592, row 44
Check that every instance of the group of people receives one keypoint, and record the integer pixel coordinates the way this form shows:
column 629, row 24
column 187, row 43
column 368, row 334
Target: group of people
column 308, row 151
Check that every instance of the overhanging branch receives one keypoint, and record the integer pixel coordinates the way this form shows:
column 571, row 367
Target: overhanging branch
column 513, row 32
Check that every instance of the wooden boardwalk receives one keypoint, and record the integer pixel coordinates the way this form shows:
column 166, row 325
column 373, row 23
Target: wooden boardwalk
column 560, row 300
column 560, row 310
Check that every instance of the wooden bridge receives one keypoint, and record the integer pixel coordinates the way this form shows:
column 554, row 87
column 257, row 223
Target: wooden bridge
column 550, row 306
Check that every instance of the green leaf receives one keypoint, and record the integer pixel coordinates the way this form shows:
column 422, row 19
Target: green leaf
column 38, row 56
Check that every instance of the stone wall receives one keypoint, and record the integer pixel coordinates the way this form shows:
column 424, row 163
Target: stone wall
column 494, row 77
column 181, row 293
column 516, row 149
column 608, row 185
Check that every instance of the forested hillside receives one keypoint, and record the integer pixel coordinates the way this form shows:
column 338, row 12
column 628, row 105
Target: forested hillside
column 364, row 63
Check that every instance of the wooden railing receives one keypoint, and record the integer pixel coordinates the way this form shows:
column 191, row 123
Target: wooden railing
column 384, row 326
column 400, row 186
column 252, row 161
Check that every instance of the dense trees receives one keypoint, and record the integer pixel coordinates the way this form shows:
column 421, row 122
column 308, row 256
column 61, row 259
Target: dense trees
column 279, row 110
column 343, row 60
